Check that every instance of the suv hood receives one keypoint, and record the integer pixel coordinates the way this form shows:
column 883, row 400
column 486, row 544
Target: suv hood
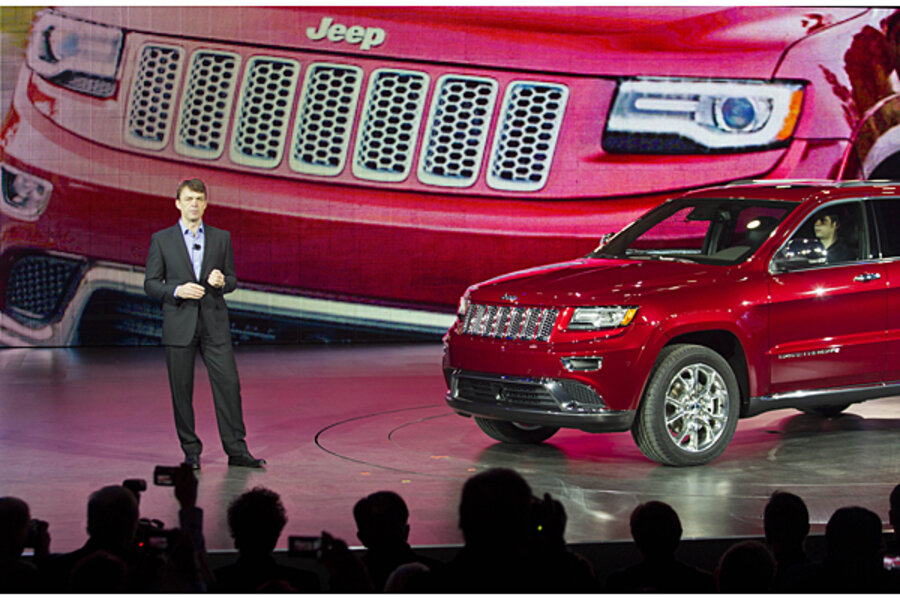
column 599, row 40
column 589, row 282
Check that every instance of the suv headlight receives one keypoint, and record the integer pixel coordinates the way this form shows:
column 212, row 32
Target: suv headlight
column 591, row 318
column 682, row 116
column 74, row 54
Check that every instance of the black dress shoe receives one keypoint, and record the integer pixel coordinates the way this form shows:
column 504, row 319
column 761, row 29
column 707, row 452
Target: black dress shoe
column 193, row 460
column 246, row 461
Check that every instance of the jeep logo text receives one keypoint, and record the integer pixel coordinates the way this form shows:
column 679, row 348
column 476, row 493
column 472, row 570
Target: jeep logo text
column 366, row 37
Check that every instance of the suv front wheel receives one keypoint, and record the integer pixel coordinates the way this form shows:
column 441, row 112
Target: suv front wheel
column 690, row 407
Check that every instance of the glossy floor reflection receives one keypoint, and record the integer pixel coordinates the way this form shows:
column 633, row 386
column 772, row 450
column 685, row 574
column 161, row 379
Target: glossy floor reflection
column 338, row 423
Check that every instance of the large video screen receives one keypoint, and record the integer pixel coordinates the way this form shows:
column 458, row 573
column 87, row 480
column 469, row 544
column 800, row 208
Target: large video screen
column 371, row 163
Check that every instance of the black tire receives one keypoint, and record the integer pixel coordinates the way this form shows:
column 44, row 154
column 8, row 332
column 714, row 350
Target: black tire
column 515, row 433
column 708, row 417
column 825, row 412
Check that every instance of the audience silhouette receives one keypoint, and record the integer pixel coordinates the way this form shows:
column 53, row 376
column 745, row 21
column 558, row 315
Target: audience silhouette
column 256, row 520
column 16, row 574
column 656, row 530
column 514, row 543
column 853, row 558
column 746, row 567
column 500, row 521
column 786, row 525
column 383, row 528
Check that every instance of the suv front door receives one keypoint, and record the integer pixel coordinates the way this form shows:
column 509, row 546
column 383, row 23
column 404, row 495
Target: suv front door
column 827, row 322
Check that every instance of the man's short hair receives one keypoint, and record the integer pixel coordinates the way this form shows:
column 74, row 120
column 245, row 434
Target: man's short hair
column 195, row 185
column 14, row 517
column 256, row 519
column 495, row 506
column 655, row 528
column 786, row 518
column 381, row 517
column 112, row 514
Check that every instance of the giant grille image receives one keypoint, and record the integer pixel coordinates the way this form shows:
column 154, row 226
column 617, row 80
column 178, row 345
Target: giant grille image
column 457, row 130
column 206, row 104
column 261, row 124
column 386, row 139
column 379, row 134
column 526, row 137
column 152, row 103
column 510, row 322
column 38, row 284
column 325, row 119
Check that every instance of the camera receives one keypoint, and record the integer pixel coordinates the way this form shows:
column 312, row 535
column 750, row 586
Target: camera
column 35, row 527
column 164, row 475
column 305, row 546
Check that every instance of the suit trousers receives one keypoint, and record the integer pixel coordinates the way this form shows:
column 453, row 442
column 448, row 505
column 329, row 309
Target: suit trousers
column 226, row 391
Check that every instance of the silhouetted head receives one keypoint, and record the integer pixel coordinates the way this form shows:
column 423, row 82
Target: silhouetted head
column 746, row 567
column 786, row 520
column 894, row 511
column 853, row 535
column 14, row 519
column 112, row 517
column 656, row 529
column 256, row 519
column 381, row 520
column 495, row 509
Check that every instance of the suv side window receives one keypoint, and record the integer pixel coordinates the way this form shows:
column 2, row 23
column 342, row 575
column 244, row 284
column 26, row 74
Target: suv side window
column 839, row 228
column 887, row 215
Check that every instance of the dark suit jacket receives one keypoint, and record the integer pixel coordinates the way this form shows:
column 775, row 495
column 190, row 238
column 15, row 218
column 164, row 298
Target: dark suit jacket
column 168, row 266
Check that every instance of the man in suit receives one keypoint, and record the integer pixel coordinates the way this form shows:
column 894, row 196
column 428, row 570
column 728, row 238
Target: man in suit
column 190, row 268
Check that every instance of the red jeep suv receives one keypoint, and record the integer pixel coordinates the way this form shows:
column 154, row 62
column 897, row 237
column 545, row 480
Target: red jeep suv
column 719, row 304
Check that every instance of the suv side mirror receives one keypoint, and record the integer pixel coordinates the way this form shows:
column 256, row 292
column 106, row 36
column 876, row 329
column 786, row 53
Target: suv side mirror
column 800, row 254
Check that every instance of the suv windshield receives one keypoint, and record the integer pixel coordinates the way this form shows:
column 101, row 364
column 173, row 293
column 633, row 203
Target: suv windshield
column 704, row 230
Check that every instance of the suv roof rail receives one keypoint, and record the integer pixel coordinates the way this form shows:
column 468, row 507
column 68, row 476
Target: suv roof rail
column 813, row 182
column 797, row 182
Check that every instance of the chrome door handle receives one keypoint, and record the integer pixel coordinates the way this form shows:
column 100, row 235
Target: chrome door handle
column 867, row 277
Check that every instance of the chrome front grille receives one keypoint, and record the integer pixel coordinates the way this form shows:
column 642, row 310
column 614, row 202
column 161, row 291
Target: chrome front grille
column 457, row 130
column 526, row 137
column 261, row 121
column 510, row 322
column 151, row 106
column 325, row 119
column 389, row 126
column 206, row 104
column 319, row 137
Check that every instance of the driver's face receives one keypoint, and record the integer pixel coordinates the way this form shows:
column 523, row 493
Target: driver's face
column 825, row 227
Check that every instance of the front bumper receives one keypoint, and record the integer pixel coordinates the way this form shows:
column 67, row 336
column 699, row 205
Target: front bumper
column 53, row 299
column 535, row 401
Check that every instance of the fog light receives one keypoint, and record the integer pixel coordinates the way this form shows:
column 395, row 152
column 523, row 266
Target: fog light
column 582, row 363
column 25, row 196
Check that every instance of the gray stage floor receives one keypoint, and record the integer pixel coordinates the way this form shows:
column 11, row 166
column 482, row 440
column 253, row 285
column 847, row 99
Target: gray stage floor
column 338, row 423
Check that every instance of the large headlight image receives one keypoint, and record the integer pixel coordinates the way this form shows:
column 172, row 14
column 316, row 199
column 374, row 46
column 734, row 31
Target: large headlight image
column 592, row 318
column 75, row 54
column 682, row 116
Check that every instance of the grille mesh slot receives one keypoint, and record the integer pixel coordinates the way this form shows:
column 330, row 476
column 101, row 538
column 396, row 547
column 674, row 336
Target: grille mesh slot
column 515, row 393
column 206, row 104
column 457, row 129
column 261, row 121
column 389, row 126
column 152, row 103
column 38, row 284
column 325, row 118
column 526, row 136
column 510, row 322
